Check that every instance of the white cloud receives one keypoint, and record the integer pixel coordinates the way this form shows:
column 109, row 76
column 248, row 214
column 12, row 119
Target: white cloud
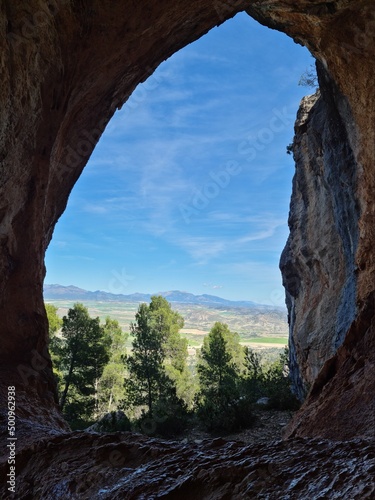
column 95, row 209
column 213, row 287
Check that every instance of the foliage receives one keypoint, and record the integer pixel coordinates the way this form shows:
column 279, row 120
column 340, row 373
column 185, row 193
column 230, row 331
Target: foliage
column 185, row 384
column 169, row 323
column 277, row 385
column 252, row 382
column 113, row 422
column 270, row 380
column 309, row 78
column 111, row 384
column 170, row 417
column 54, row 325
column 157, row 366
column 147, row 377
column 83, row 354
column 160, row 393
column 54, row 321
column 219, row 406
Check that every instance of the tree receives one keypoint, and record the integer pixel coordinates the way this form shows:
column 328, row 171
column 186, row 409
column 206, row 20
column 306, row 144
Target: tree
column 84, row 352
column 111, row 383
column 218, row 398
column 277, row 384
column 169, row 323
column 216, row 364
column 54, row 325
column 252, row 383
column 157, row 367
column 54, row 321
column 146, row 364
column 309, row 78
column 234, row 347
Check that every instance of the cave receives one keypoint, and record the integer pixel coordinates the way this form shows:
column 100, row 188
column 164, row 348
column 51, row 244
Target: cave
column 66, row 67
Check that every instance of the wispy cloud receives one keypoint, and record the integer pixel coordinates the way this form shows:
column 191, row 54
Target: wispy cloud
column 213, row 287
column 79, row 257
column 202, row 249
column 208, row 105
column 95, row 209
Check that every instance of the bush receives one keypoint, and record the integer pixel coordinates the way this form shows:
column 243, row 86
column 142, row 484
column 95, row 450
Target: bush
column 113, row 422
column 277, row 386
column 271, row 381
column 169, row 418
column 218, row 416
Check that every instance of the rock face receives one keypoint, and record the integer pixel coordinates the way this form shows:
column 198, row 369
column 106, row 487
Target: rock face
column 318, row 263
column 127, row 466
column 67, row 65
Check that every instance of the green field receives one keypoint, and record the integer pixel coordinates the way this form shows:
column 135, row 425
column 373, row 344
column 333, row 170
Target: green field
column 265, row 340
column 266, row 332
column 254, row 326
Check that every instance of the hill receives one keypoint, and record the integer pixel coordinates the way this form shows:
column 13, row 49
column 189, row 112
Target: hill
column 261, row 326
column 59, row 292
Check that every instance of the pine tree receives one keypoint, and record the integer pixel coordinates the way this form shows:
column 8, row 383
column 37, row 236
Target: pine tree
column 169, row 324
column 84, row 352
column 218, row 381
column 156, row 369
column 147, row 376
column 111, row 384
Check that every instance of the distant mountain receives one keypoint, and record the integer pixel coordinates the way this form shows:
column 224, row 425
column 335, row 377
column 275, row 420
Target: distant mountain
column 59, row 292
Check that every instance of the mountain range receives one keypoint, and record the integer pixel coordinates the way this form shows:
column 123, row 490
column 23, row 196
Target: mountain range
column 60, row 292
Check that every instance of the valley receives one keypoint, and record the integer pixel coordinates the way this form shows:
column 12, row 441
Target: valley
column 262, row 328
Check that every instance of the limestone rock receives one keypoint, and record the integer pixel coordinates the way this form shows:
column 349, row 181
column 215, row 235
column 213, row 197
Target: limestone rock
column 318, row 263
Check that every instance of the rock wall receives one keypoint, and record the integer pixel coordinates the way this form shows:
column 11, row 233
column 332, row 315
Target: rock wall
column 331, row 328
column 67, row 65
column 318, row 262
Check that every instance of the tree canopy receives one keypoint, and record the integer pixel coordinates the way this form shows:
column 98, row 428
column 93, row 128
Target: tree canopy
column 83, row 352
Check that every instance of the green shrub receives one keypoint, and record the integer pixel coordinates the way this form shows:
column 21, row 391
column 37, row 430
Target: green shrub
column 167, row 420
column 224, row 416
column 114, row 422
column 277, row 386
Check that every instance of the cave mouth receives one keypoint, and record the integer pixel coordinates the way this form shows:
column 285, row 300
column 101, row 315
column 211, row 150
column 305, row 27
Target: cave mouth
column 190, row 183
column 82, row 65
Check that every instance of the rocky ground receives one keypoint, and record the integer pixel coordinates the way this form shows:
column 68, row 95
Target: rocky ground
column 131, row 466
column 268, row 427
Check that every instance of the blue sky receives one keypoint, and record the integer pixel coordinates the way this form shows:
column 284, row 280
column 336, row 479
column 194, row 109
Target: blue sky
column 189, row 187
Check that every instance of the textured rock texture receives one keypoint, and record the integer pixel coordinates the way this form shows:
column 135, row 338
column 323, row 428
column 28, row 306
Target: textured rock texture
column 318, row 263
column 65, row 67
column 341, row 402
column 128, row 466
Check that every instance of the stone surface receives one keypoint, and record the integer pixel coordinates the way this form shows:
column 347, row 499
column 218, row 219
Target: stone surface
column 130, row 466
column 65, row 67
column 318, row 263
column 342, row 398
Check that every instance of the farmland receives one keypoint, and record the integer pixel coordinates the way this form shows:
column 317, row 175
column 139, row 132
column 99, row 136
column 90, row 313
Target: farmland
column 262, row 329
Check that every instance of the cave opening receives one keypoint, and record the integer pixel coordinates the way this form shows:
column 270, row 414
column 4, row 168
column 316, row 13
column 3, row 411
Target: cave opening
column 56, row 50
column 189, row 186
